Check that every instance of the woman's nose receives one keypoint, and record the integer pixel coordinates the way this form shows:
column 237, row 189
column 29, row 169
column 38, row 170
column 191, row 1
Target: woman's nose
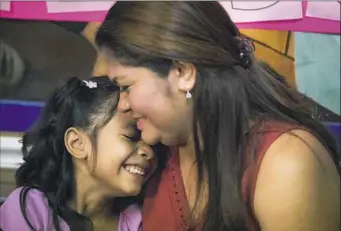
column 123, row 104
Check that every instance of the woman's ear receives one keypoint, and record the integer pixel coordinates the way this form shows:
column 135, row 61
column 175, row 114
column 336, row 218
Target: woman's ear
column 186, row 73
column 77, row 143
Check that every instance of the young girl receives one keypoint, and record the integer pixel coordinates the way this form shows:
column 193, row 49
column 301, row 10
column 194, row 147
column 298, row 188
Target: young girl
column 80, row 161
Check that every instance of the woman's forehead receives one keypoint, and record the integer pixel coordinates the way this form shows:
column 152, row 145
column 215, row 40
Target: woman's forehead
column 118, row 72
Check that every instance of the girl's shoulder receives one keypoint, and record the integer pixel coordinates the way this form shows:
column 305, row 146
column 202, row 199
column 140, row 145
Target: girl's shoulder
column 131, row 219
column 31, row 195
column 36, row 208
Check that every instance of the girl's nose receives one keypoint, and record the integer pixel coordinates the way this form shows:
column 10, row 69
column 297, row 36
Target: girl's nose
column 146, row 152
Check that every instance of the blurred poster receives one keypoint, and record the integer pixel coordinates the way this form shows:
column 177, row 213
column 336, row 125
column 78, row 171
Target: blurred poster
column 276, row 48
column 260, row 11
column 324, row 10
column 55, row 6
column 5, row 5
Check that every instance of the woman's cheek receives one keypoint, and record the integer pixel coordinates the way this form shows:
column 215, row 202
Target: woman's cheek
column 138, row 101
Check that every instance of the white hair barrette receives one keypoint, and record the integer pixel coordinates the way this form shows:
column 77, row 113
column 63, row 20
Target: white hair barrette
column 90, row 84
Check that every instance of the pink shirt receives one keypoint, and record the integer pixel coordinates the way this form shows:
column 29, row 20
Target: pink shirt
column 40, row 216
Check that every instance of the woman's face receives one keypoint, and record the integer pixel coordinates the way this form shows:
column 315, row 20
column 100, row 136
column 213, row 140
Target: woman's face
column 158, row 104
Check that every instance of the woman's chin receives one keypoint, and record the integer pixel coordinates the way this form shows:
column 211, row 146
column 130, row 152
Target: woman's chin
column 150, row 139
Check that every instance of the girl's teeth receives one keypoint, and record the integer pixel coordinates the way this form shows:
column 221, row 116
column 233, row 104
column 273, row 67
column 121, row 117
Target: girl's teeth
column 135, row 170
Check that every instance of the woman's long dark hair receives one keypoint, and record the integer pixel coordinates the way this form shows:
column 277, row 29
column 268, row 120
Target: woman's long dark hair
column 231, row 90
column 47, row 165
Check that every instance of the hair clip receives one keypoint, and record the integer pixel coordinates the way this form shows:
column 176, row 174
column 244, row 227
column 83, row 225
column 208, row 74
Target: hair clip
column 90, row 84
column 247, row 48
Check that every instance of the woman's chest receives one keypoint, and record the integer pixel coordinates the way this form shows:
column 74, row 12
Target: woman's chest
column 196, row 190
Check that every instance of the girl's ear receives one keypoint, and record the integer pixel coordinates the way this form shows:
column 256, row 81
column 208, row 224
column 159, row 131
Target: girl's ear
column 77, row 143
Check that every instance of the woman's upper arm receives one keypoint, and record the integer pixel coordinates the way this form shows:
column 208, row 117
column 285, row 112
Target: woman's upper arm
column 298, row 186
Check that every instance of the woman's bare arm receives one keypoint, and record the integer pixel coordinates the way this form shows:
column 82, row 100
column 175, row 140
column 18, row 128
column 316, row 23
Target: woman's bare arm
column 298, row 186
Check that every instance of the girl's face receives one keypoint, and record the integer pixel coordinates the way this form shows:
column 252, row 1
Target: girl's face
column 121, row 162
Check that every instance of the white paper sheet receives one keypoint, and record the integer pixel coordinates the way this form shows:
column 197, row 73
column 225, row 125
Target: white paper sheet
column 324, row 10
column 5, row 5
column 55, row 6
column 259, row 11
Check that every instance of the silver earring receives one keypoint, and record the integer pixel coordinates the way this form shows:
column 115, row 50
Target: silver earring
column 188, row 95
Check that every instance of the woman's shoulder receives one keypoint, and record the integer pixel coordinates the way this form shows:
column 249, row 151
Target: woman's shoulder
column 35, row 205
column 277, row 139
column 130, row 219
column 294, row 169
column 265, row 134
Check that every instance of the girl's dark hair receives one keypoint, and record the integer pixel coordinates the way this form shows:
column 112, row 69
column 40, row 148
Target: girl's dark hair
column 47, row 165
column 231, row 90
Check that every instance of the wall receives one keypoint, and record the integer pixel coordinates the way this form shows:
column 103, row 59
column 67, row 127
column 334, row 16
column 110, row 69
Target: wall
column 318, row 68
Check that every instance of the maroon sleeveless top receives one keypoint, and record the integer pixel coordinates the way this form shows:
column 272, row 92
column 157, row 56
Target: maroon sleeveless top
column 166, row 206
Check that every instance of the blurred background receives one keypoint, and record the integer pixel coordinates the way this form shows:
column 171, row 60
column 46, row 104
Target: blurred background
column 37, row 56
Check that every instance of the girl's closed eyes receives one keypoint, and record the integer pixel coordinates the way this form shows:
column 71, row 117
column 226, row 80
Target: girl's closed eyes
column 135, row 137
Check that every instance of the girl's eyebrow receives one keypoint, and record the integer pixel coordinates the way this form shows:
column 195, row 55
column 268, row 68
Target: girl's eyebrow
column 116, row 78
column 131, row 129
column 130, row 124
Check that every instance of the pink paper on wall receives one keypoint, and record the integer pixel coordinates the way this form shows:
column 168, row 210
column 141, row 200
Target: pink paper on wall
column 5, row 5
column 37, row 10
column 324, row 10
column 54, row 6
column 260, row 11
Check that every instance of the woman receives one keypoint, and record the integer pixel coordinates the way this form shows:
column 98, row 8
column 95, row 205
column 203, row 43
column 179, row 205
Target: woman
column 246, row 152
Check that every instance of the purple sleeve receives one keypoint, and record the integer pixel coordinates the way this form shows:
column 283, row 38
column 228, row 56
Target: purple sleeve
column 130, row 219
column 37, row 211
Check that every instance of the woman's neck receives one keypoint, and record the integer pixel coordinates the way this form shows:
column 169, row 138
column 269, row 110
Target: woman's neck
column 187, row 151
column 189, row 173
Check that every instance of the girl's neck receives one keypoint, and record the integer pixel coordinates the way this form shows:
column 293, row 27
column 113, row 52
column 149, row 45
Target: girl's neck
column 98, row 210
column 90, row 199
column 92, row 204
